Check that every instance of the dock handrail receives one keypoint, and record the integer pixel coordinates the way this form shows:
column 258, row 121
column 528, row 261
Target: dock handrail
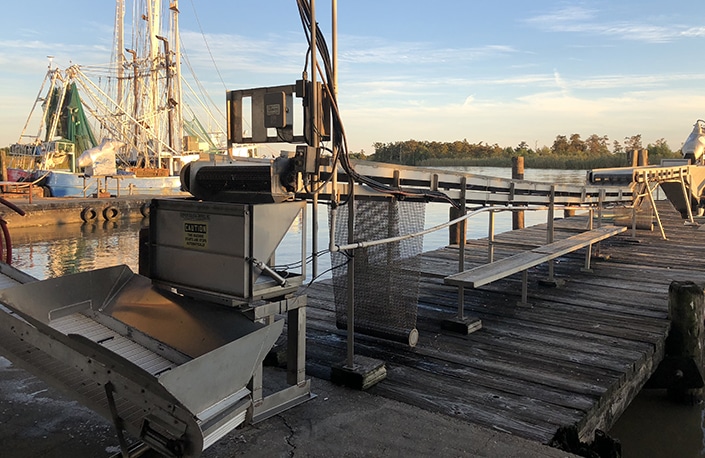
column 365, row 244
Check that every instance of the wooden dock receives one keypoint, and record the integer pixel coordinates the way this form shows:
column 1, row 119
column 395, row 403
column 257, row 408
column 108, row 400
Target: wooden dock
column 577, row 355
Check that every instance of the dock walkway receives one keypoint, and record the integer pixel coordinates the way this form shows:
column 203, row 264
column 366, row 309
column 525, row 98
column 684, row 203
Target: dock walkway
column 577, row 355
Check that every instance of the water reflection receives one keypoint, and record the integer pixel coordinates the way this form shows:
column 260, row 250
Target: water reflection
column 54, row 251
column 655, row 427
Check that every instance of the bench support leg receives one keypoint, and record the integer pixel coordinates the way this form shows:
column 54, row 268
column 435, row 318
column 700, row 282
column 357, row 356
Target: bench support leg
column 462, row 324
column 550, row 232
column 524, row 288
column 490, row 238
column 588, row 258
column 588, row 254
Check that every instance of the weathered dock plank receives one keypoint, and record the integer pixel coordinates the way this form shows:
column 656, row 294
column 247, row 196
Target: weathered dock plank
column 577, row 355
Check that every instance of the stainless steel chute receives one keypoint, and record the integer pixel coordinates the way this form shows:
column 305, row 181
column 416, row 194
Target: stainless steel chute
column 178, row 371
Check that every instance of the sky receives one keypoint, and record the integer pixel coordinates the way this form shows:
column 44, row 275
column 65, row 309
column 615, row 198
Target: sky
column 499, row 72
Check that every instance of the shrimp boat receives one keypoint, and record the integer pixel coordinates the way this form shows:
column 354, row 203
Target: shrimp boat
column 134, row 105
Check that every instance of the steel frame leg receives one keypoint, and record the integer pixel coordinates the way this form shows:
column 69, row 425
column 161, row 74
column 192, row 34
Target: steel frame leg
column 300, row 388
column 117, row 421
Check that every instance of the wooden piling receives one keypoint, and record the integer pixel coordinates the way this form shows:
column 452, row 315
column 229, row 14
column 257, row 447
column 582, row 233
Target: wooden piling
column 682, row 367
column 458, row 230
column 518, row 174
column 684, row 342
column 638, row 158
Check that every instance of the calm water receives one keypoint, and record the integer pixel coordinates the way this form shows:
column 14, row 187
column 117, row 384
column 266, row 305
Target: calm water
column 651, row 427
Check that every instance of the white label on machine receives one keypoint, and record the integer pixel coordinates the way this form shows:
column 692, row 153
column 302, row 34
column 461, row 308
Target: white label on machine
column 196, row 234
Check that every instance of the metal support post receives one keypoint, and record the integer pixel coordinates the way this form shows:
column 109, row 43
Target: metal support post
column 524, row 287
column 549, row 229
column 299, row 389
column 588, row 253
column 653, row 206
column 600, row 209
column 462, row 228
column 686, row 197
column 296, row 346
column 117, row 421
column 351, row 279
column 634, row 221
column 461, row 323
column 255, row 386
column 490, row 237
column 314, row 233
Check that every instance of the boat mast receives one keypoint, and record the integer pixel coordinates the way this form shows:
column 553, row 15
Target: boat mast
column 176, row 80
column 56, row 116
column 120, row 46
column 153, row 61
column 48, row 77
column 120, row 61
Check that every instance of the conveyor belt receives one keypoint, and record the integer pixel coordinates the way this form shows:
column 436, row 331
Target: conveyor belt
column 130, row 350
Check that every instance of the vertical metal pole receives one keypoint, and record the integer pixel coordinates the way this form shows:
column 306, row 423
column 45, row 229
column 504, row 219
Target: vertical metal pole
column 256, row 384
column 314, row 235
column 296, row 345
column 351, row 224
column 549, row 228
column 600, row 209
column 588, row 254
column 653, row 205
column 334, row 9
column 314, row 138
column 463, row 229
column 314, row 75
column 686, row 197
column 304, row 234
column 525, row 287
column 334, row 133
column 490, row 238
column 633, row 221
column 351, row 278
column 117, row 421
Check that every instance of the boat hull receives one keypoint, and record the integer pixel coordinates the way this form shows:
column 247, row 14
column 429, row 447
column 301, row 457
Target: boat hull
column 65, row 184
column 18, row 174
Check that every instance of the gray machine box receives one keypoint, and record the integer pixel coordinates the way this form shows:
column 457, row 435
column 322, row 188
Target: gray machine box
column 277, row 110
column 211, row 249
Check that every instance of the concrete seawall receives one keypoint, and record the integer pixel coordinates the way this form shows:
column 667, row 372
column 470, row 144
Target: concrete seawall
column 48, row 211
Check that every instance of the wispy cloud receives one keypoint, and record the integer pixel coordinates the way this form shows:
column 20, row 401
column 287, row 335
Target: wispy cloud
column 363, row 50
column 30, row 57
column 578, row 19
column 241, row 55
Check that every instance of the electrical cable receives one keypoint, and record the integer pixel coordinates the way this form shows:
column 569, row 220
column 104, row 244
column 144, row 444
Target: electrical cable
column 340, row 140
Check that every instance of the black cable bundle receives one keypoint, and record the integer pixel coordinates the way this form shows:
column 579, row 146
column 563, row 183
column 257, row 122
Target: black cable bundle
column 339, row 138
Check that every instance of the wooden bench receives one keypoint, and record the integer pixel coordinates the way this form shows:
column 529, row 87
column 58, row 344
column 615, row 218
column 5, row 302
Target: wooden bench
column 521, row 262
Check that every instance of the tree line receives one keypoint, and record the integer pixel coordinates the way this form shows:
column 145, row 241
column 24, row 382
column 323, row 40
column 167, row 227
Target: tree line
column 565, row 152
